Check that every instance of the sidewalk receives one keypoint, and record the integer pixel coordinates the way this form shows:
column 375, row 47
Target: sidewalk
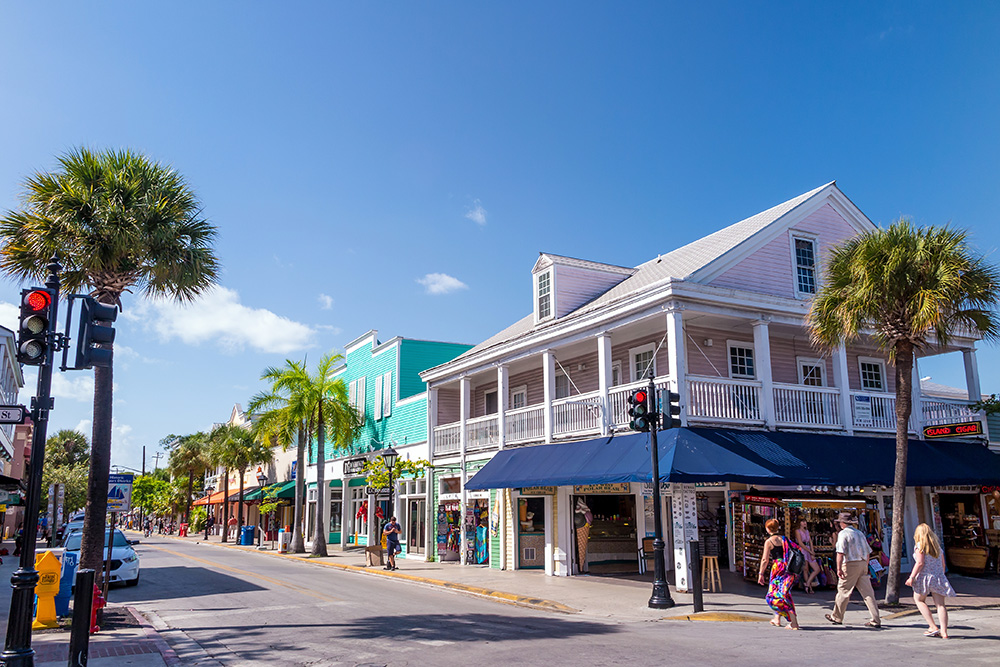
column 622, row 597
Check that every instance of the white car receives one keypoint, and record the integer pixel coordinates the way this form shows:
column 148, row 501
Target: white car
column 124, row 559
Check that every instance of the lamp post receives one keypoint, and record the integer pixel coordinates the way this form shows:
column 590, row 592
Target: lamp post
column 209, row 489
column 261, row 480
column 389, row 457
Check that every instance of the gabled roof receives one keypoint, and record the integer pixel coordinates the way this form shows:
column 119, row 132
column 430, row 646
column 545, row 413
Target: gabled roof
column 546, row 259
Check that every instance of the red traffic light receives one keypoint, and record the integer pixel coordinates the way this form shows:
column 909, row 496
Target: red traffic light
column 639, row 396
column 37, row 300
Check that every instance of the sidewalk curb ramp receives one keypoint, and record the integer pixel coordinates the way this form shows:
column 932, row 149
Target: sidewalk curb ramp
column 167, row 653
column 499, row 596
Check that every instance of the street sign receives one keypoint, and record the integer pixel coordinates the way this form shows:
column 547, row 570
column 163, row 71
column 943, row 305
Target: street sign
column 120, row 492
column 355, row 466
column 952, row 430
column 373, row 491
column 12, row 414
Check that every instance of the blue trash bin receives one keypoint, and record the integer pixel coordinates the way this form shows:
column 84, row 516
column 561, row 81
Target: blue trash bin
column 246, row 537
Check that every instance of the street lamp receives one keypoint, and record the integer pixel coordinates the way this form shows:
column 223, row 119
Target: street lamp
column 261, row 480
column 209, row 488
column 389, row 457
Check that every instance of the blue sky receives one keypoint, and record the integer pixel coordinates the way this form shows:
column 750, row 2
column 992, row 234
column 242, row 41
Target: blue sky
column 351, row 152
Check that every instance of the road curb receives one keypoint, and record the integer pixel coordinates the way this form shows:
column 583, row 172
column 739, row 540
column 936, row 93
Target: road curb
column 168, row 654
column 719, row 617
column 499, row 596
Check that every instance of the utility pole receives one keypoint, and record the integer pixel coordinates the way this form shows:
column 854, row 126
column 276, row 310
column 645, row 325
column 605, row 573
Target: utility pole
column 144, row 459
column 156, row 460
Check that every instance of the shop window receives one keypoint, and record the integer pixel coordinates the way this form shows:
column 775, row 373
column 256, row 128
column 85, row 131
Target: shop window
column 336, row 510
column 642, row 360
column 531, row 515
column 872, row 374
column 741, row 363
column 450, row 485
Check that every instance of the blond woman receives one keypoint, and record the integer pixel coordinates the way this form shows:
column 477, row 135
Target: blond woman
column 928, row 578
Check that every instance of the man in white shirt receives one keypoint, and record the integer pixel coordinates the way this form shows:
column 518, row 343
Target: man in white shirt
column 852, row 568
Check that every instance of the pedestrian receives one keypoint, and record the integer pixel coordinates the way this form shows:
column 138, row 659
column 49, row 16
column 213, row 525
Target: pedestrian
column 779, row 585
column 391, row 532
column 232, row 527
column 210, row 522
column 804, row 540
column 852, row 571
column 928, row 578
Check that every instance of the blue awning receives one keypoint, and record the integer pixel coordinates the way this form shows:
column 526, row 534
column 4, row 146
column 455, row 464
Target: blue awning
column 751, row 457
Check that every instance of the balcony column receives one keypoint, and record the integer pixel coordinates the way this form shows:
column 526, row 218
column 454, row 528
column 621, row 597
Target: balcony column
column 503, row 398
column 549, row 382
column 841, row 382
column 465, row 394
column 604, row 377
column 677, row 356
column 972, row 374
column 762, row 352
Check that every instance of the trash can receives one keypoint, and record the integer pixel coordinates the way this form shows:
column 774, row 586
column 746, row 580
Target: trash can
column 282, row 545
column 183, row 530
column 246, row 537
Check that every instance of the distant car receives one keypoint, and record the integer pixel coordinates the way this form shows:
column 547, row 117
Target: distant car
column 74, row 526
column 124, row 559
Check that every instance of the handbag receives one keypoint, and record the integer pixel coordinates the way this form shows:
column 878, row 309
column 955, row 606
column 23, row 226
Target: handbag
column 795, row 563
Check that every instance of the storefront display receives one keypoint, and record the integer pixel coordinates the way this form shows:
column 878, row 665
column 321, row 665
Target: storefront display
column 611, row 544
column 531, row 533
column 449, row 527
column 965, row 546
column 477, row 531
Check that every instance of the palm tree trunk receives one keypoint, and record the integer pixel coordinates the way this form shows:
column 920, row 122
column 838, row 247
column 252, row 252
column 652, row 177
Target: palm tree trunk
column 225, row 507
column 239, row 509
column 904, row 406
column 187, row 507
column 94, row 523
column 298, row 538
column 319, row 537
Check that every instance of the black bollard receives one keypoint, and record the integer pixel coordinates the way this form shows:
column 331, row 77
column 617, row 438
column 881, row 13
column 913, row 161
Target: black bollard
column 699, row 602
column 79, row 634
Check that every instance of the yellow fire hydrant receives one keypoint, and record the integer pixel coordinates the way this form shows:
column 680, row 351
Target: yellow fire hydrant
column 47, row 588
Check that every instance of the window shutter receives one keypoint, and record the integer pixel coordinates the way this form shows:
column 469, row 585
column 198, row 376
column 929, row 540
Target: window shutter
column 353, row 394
column 387, row 393
column 362, row 406
column 378, row 398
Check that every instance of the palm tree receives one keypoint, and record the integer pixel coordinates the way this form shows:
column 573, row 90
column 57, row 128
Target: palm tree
column 189, row 457
column 327, row 405
column 907, row 288
column 239, row 449
column 118, row 222
column 282, row 416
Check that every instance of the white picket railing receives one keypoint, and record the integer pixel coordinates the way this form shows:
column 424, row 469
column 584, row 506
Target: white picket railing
column 806, row 406
column 525, row 424
column 723, row 399
column 482, row 432
column 447, row 438
column 873, row 411
column 618, row 398
column 577, row 415
column 945, row 411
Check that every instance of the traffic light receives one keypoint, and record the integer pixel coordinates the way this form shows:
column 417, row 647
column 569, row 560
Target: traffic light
column 95, row 328
column 639, row 412
column 672, row 415
column 33, row 331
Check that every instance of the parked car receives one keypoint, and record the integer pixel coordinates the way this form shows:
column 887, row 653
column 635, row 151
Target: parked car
column 124, row 559
column 68, row 529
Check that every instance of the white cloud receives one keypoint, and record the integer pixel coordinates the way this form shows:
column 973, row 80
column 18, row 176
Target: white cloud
column 325, row 301
column 477, row 213
column 219, row 316
column 441, row 283
column 86, row 427
column 9, row 315
column 72, row 386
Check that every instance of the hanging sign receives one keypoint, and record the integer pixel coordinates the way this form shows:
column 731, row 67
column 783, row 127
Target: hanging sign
column 622, row 487
column 863, row 411
column 355, row 466
column 538, row 491
column 952, row 430
column 120, row 492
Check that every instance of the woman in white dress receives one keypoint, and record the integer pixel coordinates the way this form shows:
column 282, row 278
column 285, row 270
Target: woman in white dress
column 928, row 578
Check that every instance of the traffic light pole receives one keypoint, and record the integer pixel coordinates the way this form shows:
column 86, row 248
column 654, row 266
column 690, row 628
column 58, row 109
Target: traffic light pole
column 17, row 649
column 660, row 599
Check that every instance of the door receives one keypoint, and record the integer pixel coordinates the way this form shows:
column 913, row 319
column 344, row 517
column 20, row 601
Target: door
column 416, row 540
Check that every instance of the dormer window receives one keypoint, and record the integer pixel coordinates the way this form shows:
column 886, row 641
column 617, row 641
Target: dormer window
column 544, row 295
column 805, row 266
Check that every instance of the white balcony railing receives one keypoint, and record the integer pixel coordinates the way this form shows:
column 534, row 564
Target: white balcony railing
column 804, row 406
column 944, row 411
column 577, row 415
column 447, row 439
column 482, row 432
column 722, row 399
column 525, row 424
column 872, row 411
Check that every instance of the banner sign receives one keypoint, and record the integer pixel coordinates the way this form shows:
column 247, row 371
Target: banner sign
column 538, row 491
column 622, row 487
column 354, row 466
column 120, row 492
column 863, row 411
column 952, row 430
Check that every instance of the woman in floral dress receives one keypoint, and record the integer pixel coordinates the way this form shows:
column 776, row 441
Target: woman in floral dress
column 779, row 586
column 928, row 578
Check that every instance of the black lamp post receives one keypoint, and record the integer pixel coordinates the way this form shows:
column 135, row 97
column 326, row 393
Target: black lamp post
column 389, row 457
column 261, row 480
column 209, row 489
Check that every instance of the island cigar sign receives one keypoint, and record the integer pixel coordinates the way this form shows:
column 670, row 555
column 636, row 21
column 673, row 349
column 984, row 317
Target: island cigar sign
column 952, row 430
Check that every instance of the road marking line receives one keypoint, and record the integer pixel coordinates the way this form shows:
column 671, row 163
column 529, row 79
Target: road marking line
column 236, row 570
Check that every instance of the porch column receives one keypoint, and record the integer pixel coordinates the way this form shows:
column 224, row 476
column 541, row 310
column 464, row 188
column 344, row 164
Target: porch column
column 842, row 382
column 685, row 521
column 549, row 382
column 762, row 352
column 503, row 398
column 677, row 356
column 604, row 378
column 972, row 374
column 464, row 407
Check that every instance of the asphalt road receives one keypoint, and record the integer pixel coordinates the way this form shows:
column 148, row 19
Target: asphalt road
column 245, row 608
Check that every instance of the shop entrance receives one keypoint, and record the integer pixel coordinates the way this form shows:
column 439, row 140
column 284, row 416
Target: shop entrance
column 608, row 545
column 965, row 546
column 416, row 541
column 449, row 530
column 477, row 531
column 531, row 533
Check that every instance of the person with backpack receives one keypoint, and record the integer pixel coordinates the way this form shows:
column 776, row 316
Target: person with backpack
column 779, row 554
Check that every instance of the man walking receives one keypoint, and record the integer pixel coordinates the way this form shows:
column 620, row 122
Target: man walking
column 852, row 568
column 391, row 532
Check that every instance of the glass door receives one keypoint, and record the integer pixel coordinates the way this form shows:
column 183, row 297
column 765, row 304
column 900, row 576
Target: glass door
column 416, row 541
